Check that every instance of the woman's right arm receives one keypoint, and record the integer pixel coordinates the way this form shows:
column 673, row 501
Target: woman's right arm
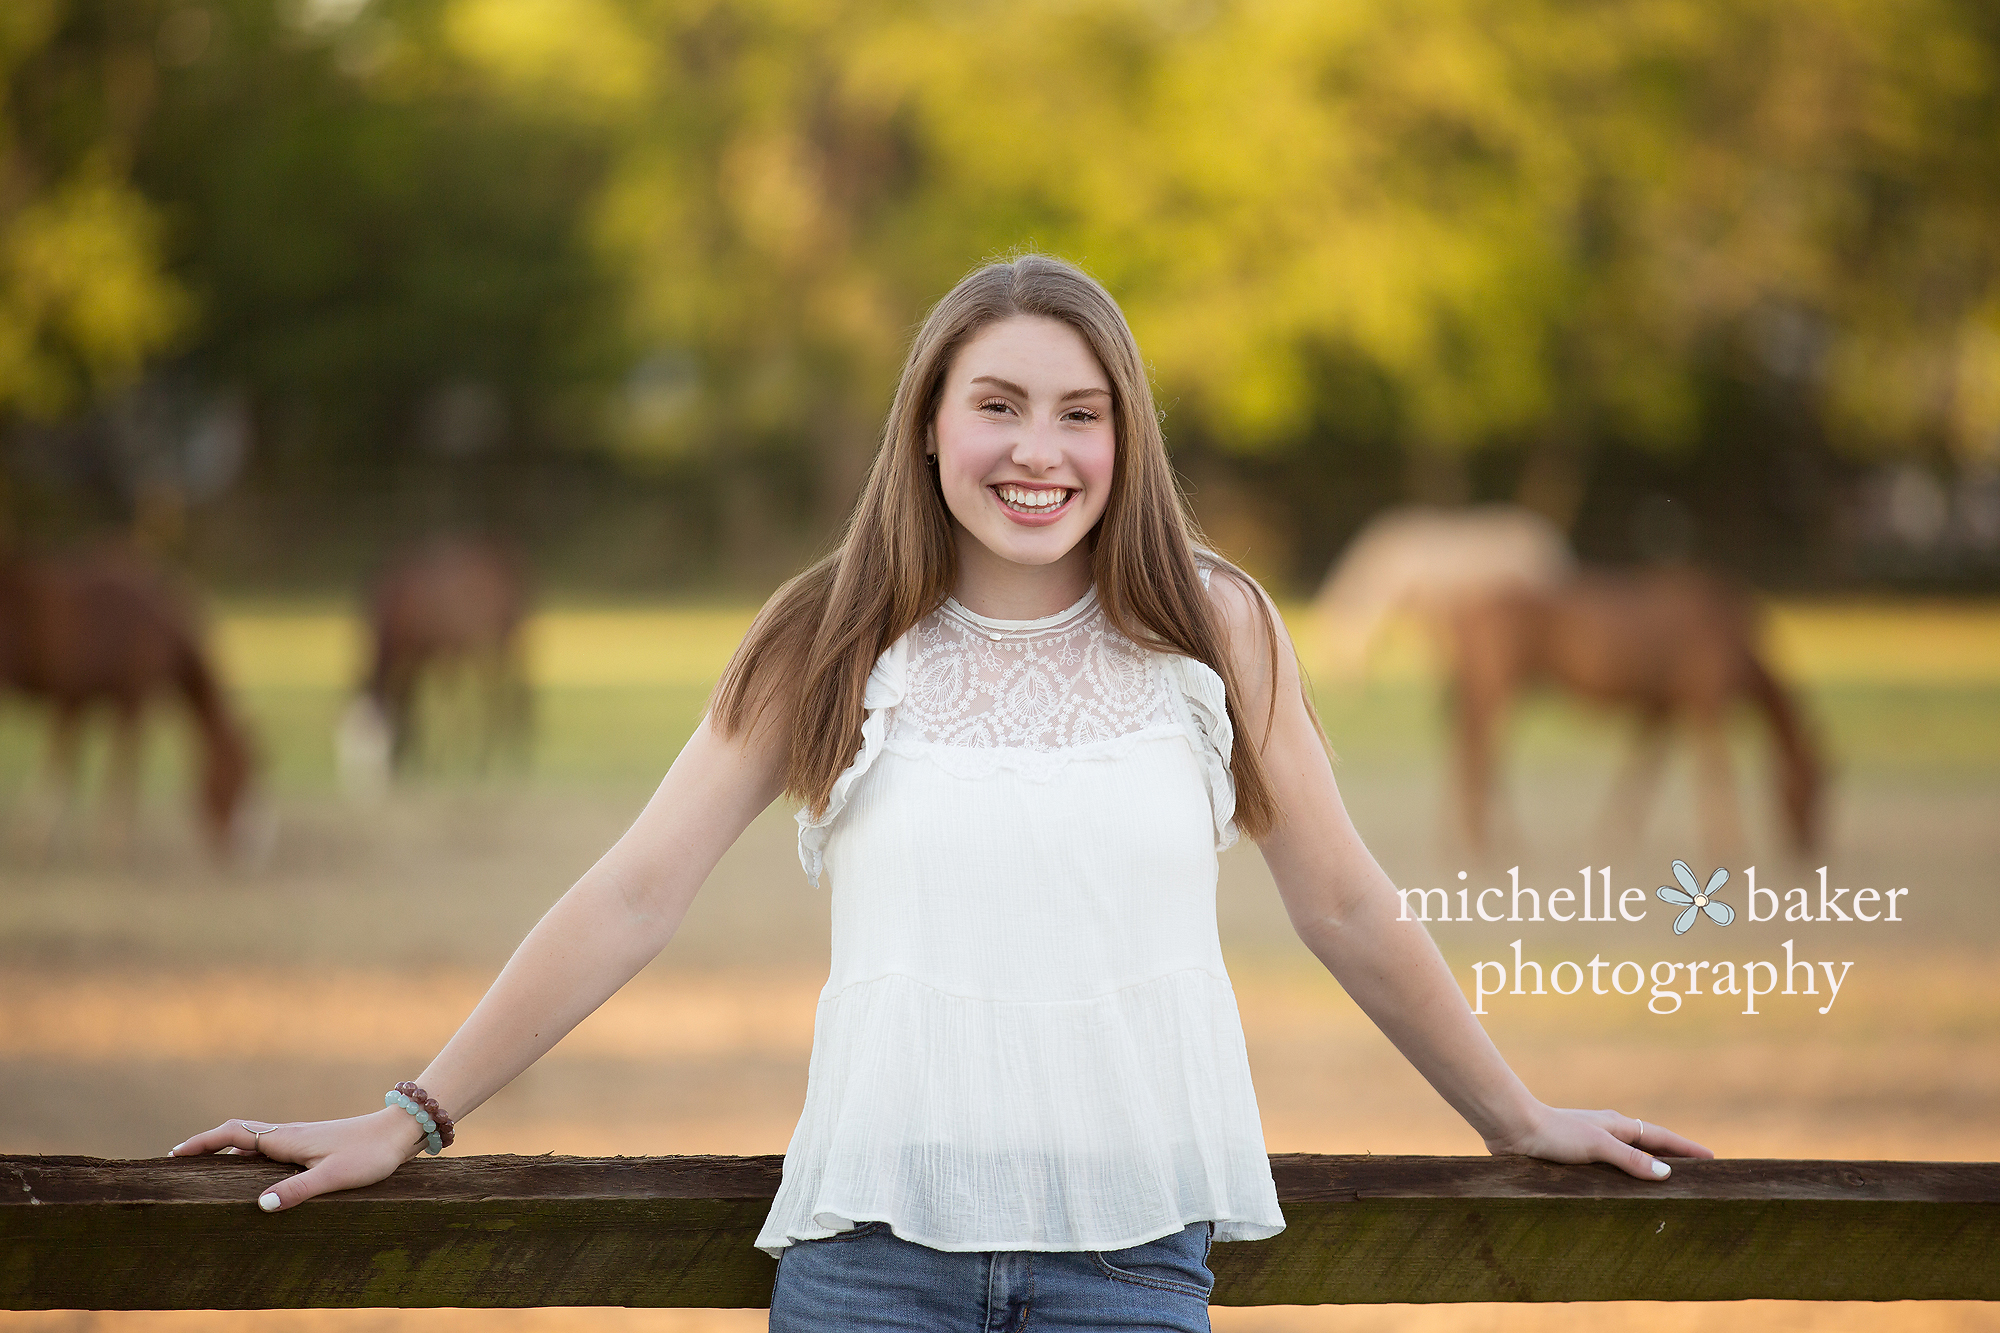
column 610, row 924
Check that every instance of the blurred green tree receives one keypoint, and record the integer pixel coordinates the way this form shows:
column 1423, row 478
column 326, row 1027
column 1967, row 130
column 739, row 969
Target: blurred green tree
column 696, row 233
column 388, row 257
column 1533, row 215
column 84, row 298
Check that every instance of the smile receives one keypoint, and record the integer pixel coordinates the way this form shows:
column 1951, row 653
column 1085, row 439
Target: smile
column 1033, row 500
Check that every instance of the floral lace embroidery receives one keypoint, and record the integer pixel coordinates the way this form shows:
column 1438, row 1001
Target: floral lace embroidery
column 1043, row 690
column 977, row 699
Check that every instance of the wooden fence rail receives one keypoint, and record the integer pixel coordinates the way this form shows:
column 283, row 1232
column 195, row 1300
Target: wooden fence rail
column 83, row 1233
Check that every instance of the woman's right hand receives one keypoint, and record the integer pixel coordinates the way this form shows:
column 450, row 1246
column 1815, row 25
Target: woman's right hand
column 337, row 1154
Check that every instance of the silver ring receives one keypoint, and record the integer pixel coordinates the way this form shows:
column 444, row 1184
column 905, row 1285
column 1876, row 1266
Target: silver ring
column 255, row 1135
column 1642, row 1132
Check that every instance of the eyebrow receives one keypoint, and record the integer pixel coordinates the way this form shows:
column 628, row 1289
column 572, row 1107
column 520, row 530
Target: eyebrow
column 1009, row 386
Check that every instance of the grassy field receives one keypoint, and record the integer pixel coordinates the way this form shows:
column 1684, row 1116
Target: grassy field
column 142, row 999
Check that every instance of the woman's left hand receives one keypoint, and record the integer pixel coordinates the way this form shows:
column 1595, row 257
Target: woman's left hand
column 1632, row 1145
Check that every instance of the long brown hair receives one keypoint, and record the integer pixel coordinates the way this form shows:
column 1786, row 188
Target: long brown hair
column 810, row 650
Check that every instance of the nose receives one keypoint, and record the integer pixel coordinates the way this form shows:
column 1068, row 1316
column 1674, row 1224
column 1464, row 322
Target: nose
column 1039, row 446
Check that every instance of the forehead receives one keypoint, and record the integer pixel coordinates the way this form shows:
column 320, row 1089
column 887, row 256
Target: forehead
column 1033, row 351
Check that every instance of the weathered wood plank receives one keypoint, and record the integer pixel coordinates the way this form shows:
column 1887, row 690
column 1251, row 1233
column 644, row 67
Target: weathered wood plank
column 514, row 1231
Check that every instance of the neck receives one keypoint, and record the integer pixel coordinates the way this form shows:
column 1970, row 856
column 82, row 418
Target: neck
column 1000, row 588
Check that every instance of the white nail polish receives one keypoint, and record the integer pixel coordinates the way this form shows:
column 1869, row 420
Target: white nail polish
column 269, row 1203
column 1660, row 1169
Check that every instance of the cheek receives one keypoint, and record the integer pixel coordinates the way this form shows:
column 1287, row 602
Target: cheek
column 965, row 456
column 1096, row 469
column 961, row 476
column 960, row 473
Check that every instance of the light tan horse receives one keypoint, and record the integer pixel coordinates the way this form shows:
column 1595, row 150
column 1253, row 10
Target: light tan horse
column 1671, row 646
column 1420, row 560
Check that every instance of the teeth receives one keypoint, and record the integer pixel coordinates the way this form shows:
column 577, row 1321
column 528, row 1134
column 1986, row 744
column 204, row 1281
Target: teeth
column 1022, row 498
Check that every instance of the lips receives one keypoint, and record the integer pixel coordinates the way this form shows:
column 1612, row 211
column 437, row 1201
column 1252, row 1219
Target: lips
column 1032, row 501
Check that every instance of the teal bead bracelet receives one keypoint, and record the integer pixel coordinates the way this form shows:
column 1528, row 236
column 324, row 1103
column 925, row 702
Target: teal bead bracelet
column 433, row 1143
column 430, row 1104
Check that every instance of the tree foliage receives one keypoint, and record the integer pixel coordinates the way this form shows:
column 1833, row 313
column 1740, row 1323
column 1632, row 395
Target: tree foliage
column 1533, row 216
column 702, row 229
column 84, row 297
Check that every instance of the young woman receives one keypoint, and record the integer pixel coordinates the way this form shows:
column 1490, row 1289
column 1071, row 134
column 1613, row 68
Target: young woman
column 1024, row 710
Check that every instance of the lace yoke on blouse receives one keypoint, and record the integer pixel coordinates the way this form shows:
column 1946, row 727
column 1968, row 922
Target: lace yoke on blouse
column 1027, row 1039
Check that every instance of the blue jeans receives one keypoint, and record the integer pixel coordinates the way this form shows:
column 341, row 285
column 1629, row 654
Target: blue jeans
column 868, row 1280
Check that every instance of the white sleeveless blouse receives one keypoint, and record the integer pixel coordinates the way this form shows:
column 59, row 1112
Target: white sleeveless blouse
column 1028, row 1040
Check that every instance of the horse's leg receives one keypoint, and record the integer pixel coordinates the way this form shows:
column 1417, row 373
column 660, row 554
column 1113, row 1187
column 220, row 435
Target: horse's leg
column 1486, row 674
column 1623, row 821
column 1511, row 837
column 1475, row 716
column 44, row 832
column 492, row 690
column 518, row 703
column 121, row 779
column 399, row 707
column 1721, row 821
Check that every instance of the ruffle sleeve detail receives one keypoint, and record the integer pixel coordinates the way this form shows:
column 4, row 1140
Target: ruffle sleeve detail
column 1205, row 711
column 883, row 692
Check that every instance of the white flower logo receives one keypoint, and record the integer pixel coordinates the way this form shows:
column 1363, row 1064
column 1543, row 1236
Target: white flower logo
column 1697, row 899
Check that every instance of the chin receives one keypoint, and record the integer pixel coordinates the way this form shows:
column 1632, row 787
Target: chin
column 1046, row 549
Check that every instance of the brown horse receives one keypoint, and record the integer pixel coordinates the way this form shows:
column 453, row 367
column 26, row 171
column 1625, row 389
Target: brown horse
column 451, row 605
column 105, row 629
column 1671, row 645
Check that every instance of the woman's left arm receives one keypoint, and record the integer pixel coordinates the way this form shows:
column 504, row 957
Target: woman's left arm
column 1346, row 910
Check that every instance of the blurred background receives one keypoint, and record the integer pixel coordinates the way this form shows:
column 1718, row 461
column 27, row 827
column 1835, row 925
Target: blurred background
column 405, row 404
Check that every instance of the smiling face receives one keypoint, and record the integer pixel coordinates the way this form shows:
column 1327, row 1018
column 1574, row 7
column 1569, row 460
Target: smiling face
column 1025, row 445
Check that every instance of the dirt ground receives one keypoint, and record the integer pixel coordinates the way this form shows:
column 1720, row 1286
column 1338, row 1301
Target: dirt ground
column 143, row 999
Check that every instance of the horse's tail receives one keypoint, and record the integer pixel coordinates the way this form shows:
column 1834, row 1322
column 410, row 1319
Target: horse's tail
column 227, row 756
column 1800, row 774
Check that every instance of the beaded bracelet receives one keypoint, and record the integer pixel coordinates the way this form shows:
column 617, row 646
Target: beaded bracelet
column 444, row 1122
column 433, row 1141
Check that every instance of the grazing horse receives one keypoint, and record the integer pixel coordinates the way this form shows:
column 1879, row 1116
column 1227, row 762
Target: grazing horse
column 106, row 629
column 450, row 605
column 1671, row 645
column 1421, row 560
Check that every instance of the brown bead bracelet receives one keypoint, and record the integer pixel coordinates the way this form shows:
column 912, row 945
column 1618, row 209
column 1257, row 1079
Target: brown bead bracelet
column 445, row 1124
